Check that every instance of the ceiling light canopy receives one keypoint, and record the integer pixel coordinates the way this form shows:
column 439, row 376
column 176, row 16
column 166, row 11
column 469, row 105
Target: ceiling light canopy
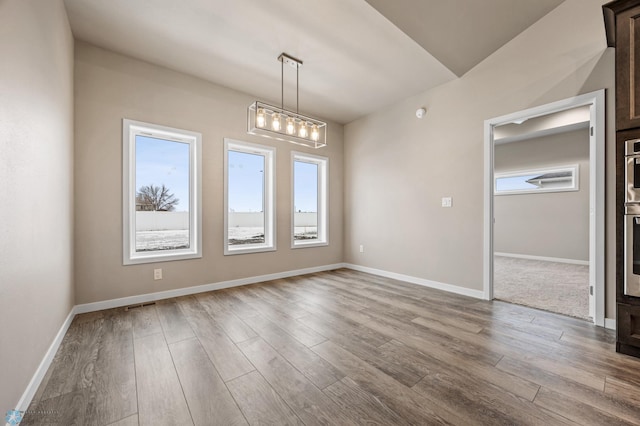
column 278, row 123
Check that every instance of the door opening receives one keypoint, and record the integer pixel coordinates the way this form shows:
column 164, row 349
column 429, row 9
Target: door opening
column 563, row 177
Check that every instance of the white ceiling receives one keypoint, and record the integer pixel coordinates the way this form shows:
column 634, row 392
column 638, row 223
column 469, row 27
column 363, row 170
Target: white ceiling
column 355, row 60
column 462, row 33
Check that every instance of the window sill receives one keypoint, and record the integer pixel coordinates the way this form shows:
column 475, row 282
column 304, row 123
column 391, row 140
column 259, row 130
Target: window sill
column 165, row 257
column 248, row 250
column 309, row 244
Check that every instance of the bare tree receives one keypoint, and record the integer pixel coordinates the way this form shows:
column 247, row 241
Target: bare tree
column 155, row 198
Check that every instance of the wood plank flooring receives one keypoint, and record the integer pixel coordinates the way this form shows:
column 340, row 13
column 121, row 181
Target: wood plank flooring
column 336, row 348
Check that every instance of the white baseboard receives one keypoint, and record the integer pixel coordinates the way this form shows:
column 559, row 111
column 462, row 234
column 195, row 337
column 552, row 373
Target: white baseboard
column 610, row 323
column 28, row 394
column 33, row 385
column 36, row 380
column 151, row 297
column 478, row 294
column 543, row 258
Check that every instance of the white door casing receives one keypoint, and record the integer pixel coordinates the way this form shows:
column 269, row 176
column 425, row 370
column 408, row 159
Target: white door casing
column 596, row 103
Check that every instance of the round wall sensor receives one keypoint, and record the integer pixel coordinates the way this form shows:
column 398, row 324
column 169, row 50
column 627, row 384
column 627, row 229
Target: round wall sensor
column 420, row 112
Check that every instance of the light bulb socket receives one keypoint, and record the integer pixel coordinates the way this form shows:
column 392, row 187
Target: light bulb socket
column 291, row 126
column 275, row 121
column 261, row 119
column 303, row 130
column 315, row 134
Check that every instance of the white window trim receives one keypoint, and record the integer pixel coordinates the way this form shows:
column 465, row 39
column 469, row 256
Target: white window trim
column 323, row 199
column 575, row 183
column 130, row 129
column 269, row 154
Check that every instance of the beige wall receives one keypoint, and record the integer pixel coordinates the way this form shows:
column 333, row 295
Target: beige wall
column 36, row 186
column 110, row 87
column 399, row 167
column 549, row 224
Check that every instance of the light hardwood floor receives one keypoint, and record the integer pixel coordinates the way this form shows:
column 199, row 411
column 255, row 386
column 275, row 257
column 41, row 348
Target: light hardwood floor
column 341, row 348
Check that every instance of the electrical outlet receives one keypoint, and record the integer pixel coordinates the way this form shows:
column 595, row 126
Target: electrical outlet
column 446, row 202
column 361, row 248
column 157, row 274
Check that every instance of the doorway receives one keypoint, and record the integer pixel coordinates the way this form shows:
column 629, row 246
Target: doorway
column 563, row 178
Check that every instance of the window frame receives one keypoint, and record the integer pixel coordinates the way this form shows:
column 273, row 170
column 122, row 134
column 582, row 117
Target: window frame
column 574, row 186
column 131, row 129
column 323, row 199
column 269, row 194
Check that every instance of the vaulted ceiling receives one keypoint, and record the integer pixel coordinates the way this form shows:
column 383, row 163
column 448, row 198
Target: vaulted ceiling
column 359, row 55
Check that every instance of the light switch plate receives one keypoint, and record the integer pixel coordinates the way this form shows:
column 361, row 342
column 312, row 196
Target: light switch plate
column 446, row 202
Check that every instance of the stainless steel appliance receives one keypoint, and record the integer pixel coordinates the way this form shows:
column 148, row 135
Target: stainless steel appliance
column 632, row 176
column 632, row 219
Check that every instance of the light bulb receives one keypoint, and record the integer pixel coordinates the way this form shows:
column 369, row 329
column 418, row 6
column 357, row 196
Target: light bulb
column 291, row 126
column 315, row 134
column 260, row 118
column 275, row 122
column 303, row 130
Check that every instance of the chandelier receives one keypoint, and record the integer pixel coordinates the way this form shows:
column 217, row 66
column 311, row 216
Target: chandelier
column 284, row 125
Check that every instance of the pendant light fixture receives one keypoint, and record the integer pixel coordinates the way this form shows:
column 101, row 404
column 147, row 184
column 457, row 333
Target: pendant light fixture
column 281, row 124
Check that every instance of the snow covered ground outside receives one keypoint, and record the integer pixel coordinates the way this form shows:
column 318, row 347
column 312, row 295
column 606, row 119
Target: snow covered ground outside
column 245, row 232
column 162, row 240
column 177, row 239
column 246, row 235
column 305, row 232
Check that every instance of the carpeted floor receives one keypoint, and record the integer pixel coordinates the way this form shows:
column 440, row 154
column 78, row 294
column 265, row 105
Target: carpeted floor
column 557, row 287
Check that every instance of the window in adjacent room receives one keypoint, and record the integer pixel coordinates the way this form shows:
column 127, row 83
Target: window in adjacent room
column 249, row 205
column 310, row 199
column 554, row 179
column 161, row 193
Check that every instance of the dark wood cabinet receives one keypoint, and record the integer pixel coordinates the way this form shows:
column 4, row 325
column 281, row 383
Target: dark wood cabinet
column 628, row 329
column 628, row 69
column 623, row 32
column 622, row 24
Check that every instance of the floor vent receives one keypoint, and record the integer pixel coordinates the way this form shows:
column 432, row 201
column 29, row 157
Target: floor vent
column 141, row 305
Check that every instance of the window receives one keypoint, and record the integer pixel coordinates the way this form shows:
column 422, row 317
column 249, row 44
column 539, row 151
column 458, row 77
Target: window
column 161, row 193
column 557, row 179
column 249, row 218
column 310, row 224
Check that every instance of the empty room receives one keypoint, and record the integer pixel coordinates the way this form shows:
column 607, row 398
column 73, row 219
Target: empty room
column 319, row 212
